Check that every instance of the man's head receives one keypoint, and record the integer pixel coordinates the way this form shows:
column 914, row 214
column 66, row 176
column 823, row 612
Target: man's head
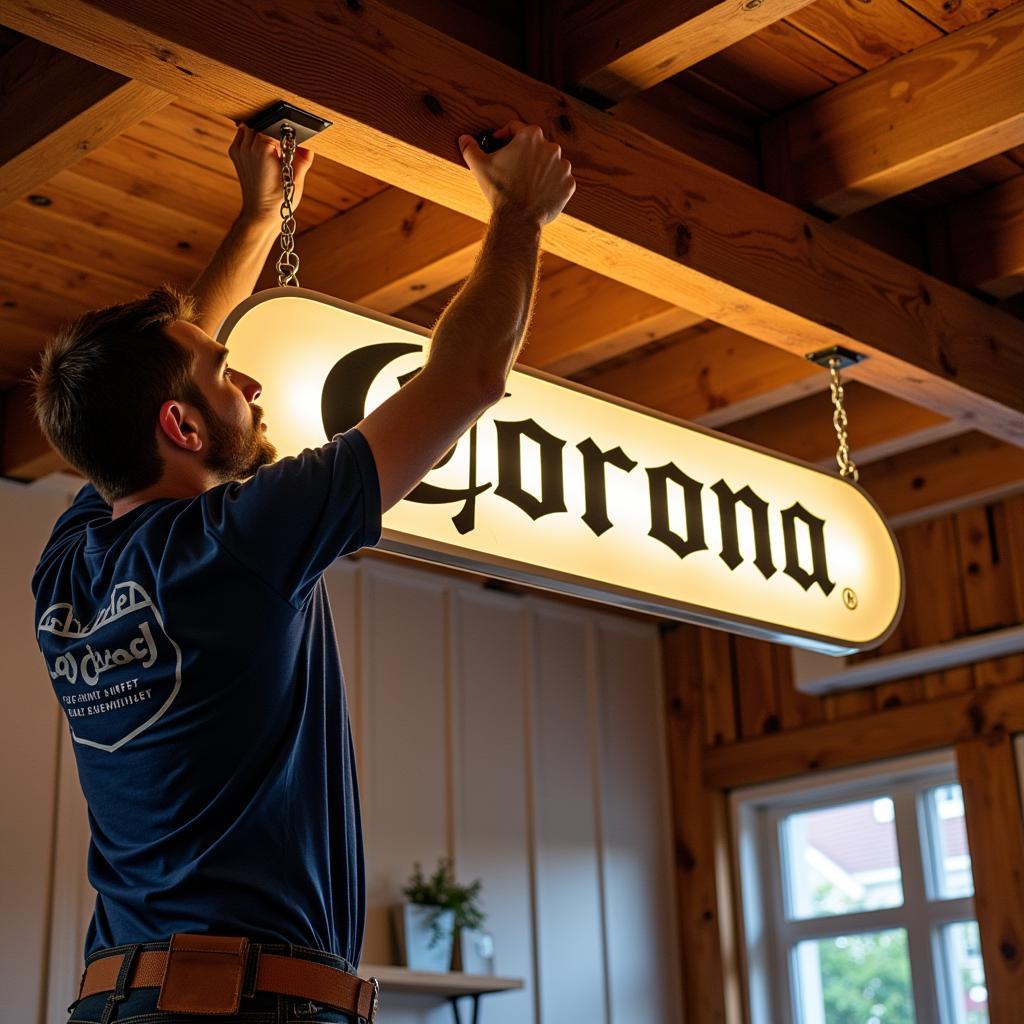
column 124, row 392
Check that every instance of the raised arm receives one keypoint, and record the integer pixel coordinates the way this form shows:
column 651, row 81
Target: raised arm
column 475, row 343
column 235, row 267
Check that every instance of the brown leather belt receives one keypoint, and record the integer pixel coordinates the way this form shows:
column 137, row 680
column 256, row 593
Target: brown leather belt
column 205, row 974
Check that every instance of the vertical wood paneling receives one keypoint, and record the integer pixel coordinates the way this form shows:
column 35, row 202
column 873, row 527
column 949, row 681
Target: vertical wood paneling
column 490, row 781
column 403, row 785
column 719, row 701
column 700, row 925
column 935, row 604
column 638, row 882
column 988, row 587
column 796, row 709
column 569, row 924
column 756, row 687
column 995, row 833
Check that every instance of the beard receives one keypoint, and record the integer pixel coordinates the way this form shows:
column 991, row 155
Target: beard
column 233, row 452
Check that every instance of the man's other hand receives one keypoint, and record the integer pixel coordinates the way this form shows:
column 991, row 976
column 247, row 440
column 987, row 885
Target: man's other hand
column 257, row 160
column 528, row 174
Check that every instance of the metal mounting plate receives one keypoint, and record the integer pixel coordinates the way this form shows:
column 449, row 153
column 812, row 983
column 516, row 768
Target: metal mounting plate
column 270, row 121
column 844, row 355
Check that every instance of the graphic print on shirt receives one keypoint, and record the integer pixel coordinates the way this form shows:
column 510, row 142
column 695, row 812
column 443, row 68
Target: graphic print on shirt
column 115, row 676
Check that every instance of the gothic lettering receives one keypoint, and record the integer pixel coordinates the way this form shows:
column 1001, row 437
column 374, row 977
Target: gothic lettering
column 658, row 479
column 510, row 467
column 816, row 528
column 594, row 484
column 728, row 499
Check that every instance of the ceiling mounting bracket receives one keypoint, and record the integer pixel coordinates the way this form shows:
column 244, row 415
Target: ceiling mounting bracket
column 273, row 118
column 843, row 356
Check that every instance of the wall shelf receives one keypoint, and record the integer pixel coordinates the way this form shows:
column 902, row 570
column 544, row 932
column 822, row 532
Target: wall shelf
column 449, row 985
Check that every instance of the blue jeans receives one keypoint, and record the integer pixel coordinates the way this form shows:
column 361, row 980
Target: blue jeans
column 138, row 1006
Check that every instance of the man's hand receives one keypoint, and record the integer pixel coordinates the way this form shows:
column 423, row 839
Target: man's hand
column 257, row 160
column 528, row 174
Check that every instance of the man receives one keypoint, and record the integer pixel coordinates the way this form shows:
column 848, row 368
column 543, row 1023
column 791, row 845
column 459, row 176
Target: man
column 184, row 620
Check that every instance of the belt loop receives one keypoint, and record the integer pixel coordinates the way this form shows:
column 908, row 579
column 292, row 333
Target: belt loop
column 124, row 974
column 252, row 969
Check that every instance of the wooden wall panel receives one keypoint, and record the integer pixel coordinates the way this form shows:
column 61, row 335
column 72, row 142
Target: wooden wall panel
column 757, row 691
column 964, row 577
column 698, row 895
column 992, row 808
column 988, row 585
column 717, row 681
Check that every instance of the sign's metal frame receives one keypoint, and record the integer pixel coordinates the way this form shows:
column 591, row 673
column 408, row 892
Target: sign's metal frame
column 422, row 548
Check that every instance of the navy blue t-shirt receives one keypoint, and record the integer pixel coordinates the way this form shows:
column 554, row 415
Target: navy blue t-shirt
column 191, row 646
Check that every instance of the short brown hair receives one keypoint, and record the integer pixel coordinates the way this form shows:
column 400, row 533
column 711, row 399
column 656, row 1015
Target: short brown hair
column 101, row 382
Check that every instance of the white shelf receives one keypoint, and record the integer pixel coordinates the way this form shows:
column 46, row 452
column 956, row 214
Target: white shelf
column 444, row 984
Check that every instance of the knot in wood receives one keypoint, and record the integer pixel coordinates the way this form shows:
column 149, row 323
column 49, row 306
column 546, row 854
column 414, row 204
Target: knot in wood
column 433, row 104
column 682, row 240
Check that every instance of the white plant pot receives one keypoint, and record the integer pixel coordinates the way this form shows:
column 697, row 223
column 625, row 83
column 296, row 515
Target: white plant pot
column 474, row 953
column 417, row 947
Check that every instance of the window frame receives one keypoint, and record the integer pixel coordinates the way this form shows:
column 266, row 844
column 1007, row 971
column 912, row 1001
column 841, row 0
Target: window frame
column 769, row 940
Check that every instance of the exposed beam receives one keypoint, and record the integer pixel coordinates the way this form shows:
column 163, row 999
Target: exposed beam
column 582, row 318
column 880, row 427
column 982, row 239
column 386, row 252
column 643, row 214
column 616, row 48
column 711, row 375
column 895, row 732
column 395, row 248
column 944, row 476
column 56, row 109
column 926, row 114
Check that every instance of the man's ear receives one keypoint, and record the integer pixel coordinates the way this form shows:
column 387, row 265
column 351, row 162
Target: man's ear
column 180, row 426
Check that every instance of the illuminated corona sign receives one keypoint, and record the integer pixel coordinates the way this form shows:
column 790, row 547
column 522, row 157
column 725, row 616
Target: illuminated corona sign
column 574, row 491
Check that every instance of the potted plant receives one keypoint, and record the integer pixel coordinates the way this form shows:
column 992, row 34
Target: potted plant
column 436, row 906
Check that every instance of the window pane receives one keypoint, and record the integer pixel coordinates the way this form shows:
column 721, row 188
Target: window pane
column 953, row 859
column 967, row 992
column 854, row 979
column 841, row 859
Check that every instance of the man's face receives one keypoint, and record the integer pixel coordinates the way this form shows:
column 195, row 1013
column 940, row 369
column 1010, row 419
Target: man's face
column 236, row 441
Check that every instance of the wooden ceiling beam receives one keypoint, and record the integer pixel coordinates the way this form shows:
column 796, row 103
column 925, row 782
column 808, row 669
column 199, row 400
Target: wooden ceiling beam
column 582, row 318
column 933, row 111
column 56, row 109
column 881, row 426
column 386, row 252
column 643, row 214
column 981, row 239
column 710, row 375
column 944, row 476
column 614, row 48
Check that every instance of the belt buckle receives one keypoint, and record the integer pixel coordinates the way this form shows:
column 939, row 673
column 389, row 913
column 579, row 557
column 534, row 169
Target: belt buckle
column 375, row 1002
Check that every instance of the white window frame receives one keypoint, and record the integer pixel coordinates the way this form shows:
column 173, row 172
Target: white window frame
column 756, row 814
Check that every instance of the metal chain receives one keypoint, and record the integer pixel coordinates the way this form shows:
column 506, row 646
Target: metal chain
column 288, row 261
column 847, row 468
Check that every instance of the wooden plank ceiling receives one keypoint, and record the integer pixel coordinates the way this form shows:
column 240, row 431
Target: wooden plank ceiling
column 891, row 133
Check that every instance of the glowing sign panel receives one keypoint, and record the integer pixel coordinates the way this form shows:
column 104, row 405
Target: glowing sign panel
column 574, row 491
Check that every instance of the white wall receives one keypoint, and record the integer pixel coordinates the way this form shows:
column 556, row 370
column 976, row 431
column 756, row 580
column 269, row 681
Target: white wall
column 28, row 753
column 522, row 736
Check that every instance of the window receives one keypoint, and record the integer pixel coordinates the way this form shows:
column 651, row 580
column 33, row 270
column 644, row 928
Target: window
column 858, row 899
